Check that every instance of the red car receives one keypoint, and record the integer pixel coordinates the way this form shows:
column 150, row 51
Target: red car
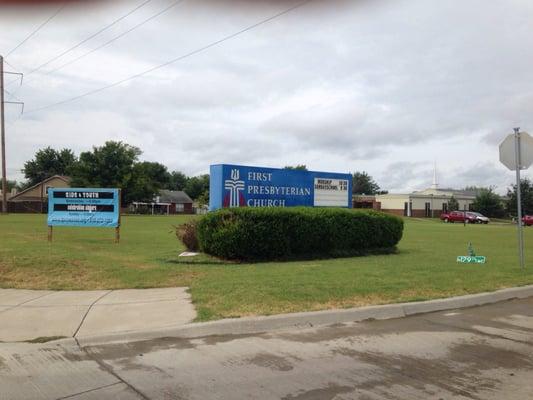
column 527, row 220
column 459, row 216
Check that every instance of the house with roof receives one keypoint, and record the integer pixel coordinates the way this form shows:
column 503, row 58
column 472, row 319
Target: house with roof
column 166, row 202
column 35, row 198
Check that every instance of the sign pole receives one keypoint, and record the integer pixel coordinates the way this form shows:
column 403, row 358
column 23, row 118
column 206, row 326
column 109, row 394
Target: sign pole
column 117, row 229
column 3, row 138
column 519, row 198
column 50, row 232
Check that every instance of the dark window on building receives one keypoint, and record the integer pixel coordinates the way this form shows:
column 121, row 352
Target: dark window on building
column 444, row 207
column 428, row 209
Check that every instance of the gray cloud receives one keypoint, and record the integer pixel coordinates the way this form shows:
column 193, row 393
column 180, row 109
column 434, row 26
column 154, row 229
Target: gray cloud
column 387, row 86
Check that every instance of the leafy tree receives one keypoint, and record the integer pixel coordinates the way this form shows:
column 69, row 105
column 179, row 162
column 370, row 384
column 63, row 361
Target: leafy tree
column 364, row 184
column 147, row 179
column 476, row 189
column 178, row 180
column 299, row 167
column 453, row 204
column 488, row 203
column 526, row 191
column 49, row 162
column 196, row 186
column 203, row 199
column 110, row 165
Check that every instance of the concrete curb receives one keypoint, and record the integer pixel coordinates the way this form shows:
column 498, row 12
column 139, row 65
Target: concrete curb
column 255, row 325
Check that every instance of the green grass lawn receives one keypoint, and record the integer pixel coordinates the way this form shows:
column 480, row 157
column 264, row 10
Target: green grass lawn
column 424, row 268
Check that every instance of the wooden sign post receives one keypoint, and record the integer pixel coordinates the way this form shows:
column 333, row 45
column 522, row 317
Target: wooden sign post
column 117, row 229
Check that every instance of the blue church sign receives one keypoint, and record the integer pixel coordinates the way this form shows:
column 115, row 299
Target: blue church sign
column 244, row 186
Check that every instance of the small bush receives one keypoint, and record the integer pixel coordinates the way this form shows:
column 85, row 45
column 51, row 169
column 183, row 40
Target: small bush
column 281, row 233
column 187, row 234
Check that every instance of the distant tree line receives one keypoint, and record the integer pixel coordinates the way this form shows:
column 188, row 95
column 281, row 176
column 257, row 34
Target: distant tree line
column 490, row 204
column 115, row 164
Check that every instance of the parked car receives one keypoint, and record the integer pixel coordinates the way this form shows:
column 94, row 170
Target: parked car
column 527, row 220
column 480, row 218
column 469, row 217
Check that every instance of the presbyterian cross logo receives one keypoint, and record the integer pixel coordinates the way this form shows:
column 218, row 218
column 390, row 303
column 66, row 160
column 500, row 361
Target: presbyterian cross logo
column 235, row 186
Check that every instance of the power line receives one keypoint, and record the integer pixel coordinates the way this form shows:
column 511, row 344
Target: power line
column 90, row 37
column 37, row 30
column 192, row 53
column 114, row 38
column 12, row 95
column 11, row 65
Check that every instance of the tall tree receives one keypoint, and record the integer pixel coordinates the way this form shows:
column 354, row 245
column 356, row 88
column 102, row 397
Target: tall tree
column 178, row 180
column 476, row 189
column 49, row 162
column 488, row 203
column 147, row 179
column 299, row 167
column 453, row 204
column 526, row 191
column 364, row 184
column 110, row 165
column 197, row 186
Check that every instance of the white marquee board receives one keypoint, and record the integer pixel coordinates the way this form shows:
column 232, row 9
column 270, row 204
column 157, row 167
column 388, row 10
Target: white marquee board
column 330, row 192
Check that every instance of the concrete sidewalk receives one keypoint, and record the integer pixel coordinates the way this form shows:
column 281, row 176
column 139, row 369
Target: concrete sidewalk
column 94, row 317
column 31, row 314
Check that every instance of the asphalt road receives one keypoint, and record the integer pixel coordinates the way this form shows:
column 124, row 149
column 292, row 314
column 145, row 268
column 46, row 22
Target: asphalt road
column 478, row 353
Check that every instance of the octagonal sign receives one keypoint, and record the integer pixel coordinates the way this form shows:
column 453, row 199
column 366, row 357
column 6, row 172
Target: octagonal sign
column 507, row 151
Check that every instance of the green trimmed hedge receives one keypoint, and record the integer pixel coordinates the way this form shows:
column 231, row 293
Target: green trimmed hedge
column 299, row 232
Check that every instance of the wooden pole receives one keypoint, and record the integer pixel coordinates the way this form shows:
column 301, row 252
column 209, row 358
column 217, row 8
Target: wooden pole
column 117, row 229
column 3, row 138
column 50, row 232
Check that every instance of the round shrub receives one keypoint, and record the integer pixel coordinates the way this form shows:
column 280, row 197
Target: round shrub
column 299, row 232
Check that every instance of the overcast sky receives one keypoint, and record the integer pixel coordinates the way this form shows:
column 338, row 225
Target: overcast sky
column 385, row 86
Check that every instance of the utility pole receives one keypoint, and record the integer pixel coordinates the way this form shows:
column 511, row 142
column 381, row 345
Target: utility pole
column 3, row 138
column 3, row 131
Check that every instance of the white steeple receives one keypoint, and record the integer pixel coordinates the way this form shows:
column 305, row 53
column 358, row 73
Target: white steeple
column 435, row 185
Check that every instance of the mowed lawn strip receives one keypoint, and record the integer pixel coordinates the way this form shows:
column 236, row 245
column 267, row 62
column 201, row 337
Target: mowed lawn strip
column 424, row 268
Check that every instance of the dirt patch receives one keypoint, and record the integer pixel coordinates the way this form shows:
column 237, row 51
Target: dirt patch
column 460, row 373
column 482, row 356
column 45, row 339
column 271, row 361
column 366, row 328
column 327, row 393
column 118, row 351
column 216, row 339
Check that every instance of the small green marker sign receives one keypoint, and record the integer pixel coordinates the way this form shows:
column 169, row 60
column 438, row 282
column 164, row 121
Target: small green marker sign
column 471, row 258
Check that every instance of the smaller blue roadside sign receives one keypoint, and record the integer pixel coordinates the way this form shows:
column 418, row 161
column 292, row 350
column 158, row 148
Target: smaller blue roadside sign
column 84, row 207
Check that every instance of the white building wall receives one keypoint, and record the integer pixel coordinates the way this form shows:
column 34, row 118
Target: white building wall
column 392, row 201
